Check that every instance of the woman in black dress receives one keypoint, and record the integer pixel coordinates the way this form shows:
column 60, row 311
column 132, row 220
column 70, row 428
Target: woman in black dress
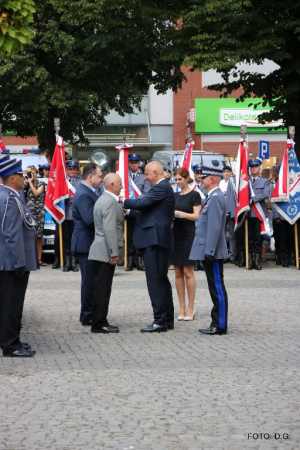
column 187, row 209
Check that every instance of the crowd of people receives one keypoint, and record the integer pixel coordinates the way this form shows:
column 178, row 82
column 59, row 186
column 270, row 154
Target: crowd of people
column 185, row 229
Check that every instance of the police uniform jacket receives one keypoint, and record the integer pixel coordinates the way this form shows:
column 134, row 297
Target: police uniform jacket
column 68, row 203
column 210, row 232
column 141, row 183
column 231, row 197
column 109, row 229
column 17, row 236
column 261, row 191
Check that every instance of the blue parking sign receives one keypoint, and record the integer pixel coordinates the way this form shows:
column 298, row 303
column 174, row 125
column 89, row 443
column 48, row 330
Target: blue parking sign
column 264, row 149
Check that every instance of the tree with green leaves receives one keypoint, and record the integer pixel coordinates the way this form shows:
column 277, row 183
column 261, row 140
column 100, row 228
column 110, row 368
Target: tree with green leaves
column 15, row 19
column 87, row 58
column 219, row 35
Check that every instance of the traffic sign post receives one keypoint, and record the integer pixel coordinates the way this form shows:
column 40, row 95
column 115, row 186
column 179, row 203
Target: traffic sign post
column 264, row 149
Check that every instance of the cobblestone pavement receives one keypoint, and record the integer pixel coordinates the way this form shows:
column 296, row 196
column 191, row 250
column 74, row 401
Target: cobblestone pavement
column 176, row 390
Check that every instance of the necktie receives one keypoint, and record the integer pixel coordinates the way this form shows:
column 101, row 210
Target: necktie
column 133, row 176
column 253, row 180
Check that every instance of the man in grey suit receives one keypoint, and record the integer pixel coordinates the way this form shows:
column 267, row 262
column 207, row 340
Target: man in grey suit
column 210, row 247
column 18, row 257
column 105, row 250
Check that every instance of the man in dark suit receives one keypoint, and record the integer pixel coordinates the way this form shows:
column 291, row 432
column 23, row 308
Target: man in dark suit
column 133, row 254
column 84, row 200
column 18, row 258
column 153, row 236
column 106, row 250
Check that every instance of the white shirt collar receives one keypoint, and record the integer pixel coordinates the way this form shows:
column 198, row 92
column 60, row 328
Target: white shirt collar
column 113, row 195
column 210, row 192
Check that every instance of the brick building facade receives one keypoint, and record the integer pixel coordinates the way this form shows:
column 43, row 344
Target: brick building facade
column 184, row 99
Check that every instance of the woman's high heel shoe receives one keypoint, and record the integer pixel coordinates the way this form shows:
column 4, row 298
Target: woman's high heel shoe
column 192, row 317
column 181, row 317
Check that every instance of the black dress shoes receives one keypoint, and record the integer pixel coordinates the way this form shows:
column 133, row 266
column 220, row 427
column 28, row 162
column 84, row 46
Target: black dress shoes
column 170, row 325
column 21, row 353
column 106, row 329
column 86, row 322
column 154, row 328
column 25, row 345
column 213, row 330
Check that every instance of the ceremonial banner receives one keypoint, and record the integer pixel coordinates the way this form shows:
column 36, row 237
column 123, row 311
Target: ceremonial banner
column 288, row 185
column 57, row 188
column 259, row 212
column 242, row 185
column 281, row 191
column 71, row 188
column 130, row 190
column 187, row 162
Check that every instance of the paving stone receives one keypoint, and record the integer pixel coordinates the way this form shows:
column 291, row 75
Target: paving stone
column 178, row 390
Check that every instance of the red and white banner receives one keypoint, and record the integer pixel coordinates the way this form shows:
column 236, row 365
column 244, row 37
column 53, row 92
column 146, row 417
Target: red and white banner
column 187, row 161
column 130, row 190
column 57, row 188
column 71, row 188
column 242, row 183
column 264, row 221
column 281, row 189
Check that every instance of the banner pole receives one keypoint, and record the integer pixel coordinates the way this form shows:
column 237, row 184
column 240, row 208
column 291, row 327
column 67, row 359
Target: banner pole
column 61, row 247
column 246, row 244
column 296, row 245
column 125, row 244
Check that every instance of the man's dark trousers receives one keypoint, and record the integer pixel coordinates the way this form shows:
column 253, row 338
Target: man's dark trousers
column 215, row 281
column 254, row 233
column 103, row 278
column 87, row 281
column 12, row 295
column 156, row 266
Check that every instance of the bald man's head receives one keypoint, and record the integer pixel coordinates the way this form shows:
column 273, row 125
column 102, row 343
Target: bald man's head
column 113, row 183
column 154, row 172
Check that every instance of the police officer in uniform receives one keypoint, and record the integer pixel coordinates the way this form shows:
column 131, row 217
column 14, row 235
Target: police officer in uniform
column 45, row 168
column 18, row 257
column 133, row 255
column 210, row 247
column 67, row 225
column 260, row 187
column 197, row 169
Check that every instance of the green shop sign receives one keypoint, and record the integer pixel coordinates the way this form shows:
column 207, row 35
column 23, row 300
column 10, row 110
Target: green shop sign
column 224, row 115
